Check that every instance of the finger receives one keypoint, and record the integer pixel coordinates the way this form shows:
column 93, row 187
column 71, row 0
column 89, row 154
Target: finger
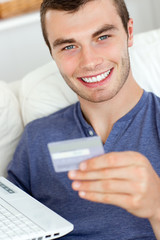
column 129, row 173
column 106, row 186
column 113, row 160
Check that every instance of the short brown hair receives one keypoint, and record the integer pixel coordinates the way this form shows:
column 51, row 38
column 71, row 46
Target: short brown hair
column 73, row 6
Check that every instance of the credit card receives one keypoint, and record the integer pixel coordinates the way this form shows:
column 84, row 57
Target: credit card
column 67, row 155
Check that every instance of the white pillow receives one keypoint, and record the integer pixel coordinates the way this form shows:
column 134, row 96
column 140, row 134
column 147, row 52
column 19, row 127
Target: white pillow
column 44, row 91
column 145, row 60
column 11, row 125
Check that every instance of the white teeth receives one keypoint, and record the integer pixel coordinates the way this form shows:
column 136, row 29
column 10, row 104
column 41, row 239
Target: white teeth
column 98, row 78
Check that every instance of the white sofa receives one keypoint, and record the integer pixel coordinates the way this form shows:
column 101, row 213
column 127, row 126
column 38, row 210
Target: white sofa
column 43, row 91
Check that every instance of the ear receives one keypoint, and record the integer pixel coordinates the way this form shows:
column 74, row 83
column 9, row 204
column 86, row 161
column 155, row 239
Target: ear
column 130, row 32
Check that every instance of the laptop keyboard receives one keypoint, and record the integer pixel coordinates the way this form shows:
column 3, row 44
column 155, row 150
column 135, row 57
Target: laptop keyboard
column 15, row 226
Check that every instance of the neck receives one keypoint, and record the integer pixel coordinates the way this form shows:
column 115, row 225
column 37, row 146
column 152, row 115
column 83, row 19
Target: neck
column 102, row 116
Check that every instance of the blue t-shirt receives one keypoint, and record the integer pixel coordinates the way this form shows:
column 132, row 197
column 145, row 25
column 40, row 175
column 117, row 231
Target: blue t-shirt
column 32, row 169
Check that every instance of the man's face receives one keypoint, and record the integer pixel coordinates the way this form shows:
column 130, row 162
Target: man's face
column 90, row 48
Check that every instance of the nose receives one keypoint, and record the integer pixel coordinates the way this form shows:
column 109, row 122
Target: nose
column 90, row 59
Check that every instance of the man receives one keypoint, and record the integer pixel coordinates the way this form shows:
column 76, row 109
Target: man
column 117, row 195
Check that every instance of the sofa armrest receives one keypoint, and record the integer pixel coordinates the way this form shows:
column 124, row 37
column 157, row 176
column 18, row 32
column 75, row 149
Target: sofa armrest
column 11, row 126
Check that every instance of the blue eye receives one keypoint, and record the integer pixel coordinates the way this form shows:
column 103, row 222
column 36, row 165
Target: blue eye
column 70, row 47
column 103, row 37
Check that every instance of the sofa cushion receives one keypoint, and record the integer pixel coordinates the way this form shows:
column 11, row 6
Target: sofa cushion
column 44, row 91
column 11, row 125
column 145, row 60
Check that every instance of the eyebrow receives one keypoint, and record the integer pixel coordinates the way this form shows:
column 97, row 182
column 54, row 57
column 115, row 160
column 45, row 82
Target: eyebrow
column 61, row 41
column 105, row 28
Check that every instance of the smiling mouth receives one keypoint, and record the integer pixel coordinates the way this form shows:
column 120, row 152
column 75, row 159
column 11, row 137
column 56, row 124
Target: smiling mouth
column 97, row 78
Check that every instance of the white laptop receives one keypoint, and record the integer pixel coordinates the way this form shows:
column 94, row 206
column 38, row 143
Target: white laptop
column 24, row 218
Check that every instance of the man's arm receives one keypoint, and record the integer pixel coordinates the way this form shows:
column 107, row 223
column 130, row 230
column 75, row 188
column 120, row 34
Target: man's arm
column 125, row 179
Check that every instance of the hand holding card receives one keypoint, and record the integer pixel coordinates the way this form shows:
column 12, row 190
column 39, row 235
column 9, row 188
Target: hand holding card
column 67, row 155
